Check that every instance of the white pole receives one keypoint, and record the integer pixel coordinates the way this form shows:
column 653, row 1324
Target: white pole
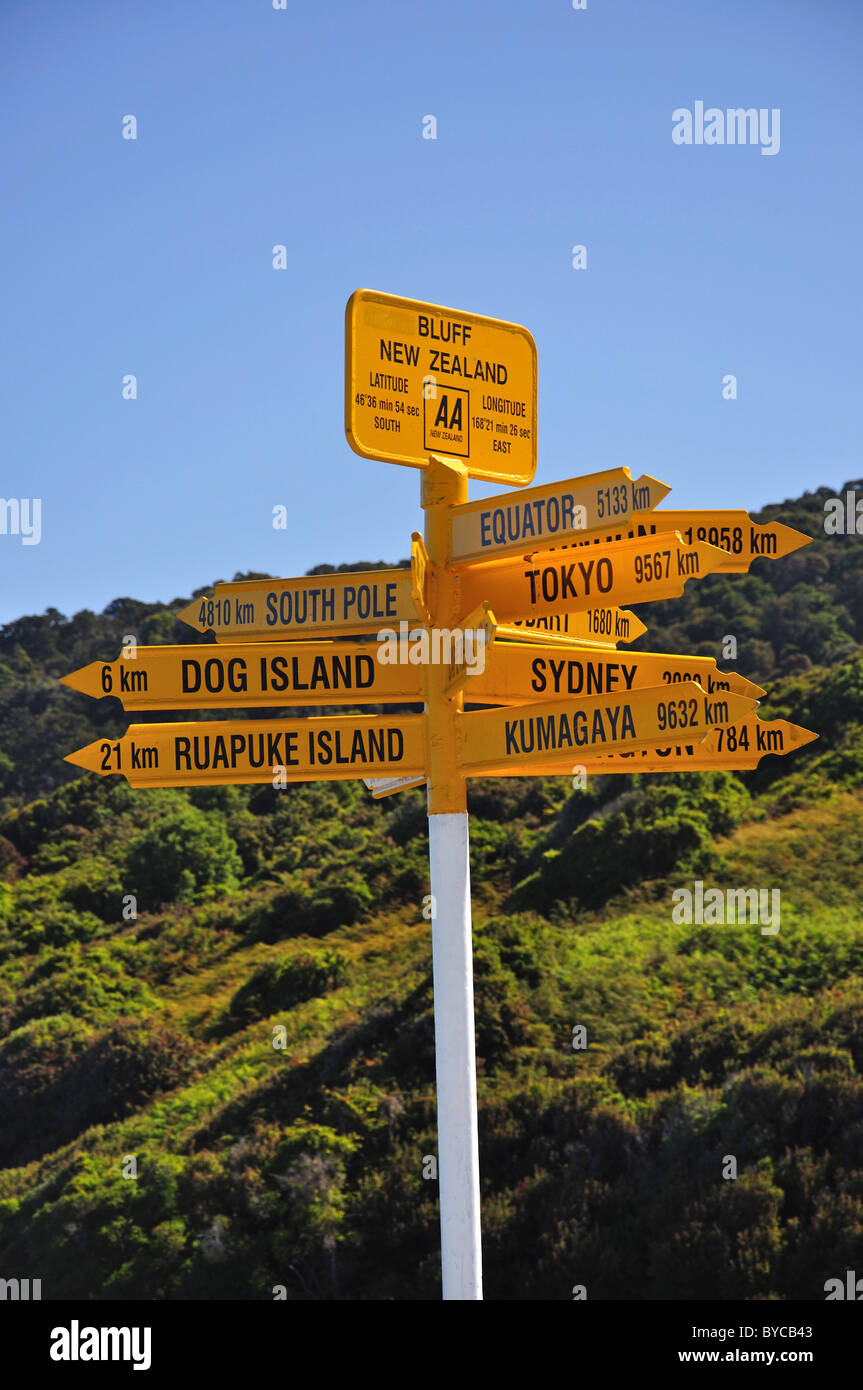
column 455, row 1059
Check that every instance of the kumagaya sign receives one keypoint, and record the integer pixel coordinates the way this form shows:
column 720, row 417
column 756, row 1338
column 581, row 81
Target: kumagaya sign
column 498, row 649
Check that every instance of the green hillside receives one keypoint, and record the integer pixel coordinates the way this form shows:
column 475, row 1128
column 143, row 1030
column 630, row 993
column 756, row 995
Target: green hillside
column 295, row 917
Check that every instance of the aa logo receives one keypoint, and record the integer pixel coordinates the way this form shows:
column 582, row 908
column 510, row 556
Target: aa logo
column 453, row 421
column 447, row 422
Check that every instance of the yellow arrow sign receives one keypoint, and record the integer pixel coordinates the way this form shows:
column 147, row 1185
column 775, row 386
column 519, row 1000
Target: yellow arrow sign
column 239, row 751
column 640, row 570
column 422, row 379
column 753, row 739
column 545, row 516
column 317, row 605
column 538, row 734
column 516, row 673
column 243, row 676
column 595, row 627
column 471, row 654
column 733, row 531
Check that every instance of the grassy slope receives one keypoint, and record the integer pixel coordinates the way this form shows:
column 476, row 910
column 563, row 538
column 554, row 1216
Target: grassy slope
column 303, row 1166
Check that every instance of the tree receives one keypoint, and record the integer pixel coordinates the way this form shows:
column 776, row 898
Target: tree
column 185, row 856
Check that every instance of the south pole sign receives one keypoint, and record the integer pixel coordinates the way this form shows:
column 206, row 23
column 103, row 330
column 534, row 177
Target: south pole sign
column 503, row 606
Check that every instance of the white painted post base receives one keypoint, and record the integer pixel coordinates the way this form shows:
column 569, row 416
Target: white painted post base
column 455, row 1057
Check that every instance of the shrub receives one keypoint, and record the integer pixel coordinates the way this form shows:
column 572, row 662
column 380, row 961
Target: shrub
column 664, row 827
column 280, row 984
column 186, row 855
column 90, row 983
column 56, row 1078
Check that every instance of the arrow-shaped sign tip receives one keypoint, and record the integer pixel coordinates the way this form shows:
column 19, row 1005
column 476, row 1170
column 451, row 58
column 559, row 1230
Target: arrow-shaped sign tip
column 800, row 736
column 743, row 685
column 188, row 615
column 791, row 539
column 84, row 679
column 657, row 489
column 88, row 757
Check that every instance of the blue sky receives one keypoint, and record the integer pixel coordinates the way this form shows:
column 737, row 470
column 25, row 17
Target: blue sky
column 303, row 127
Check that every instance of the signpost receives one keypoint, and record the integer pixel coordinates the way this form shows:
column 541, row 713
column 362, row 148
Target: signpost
column 421, row 379
column 640, row 570
column 240, row 751
column 516, row 673
column 594, row 627
column 477, row 636
column 738, row 746
column 735, row 532
column 545, row 516
column 742, row 539
column 535, row 734
column 250, row 674
column 541, row 577
column 321, row 605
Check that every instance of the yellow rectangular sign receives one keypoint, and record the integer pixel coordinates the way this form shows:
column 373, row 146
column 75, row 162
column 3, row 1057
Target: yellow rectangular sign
column 246, row 675
column 421, row 379
column 545, row 516
column 538, row 734
column 739, row 746
column 732, row 531
column 595, row 627
column 240, row 751
column 320, row 605
column 516, row 673
column 641, row 570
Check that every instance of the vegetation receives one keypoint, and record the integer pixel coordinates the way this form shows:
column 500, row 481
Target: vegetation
column 233, row 988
